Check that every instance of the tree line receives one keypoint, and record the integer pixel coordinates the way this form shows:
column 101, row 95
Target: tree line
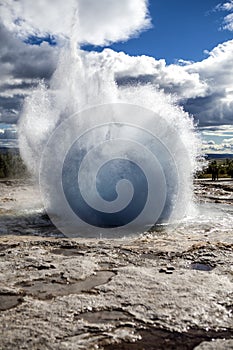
column 12, row 166
column 224, row 168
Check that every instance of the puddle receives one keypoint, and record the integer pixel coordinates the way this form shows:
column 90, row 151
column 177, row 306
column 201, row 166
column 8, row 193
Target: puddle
column 4, row 247
column 8, row 301
column 53, row 287
column 67, row 251
column 105, row 316
column 201, row 267
column 161, row 339
column 154, row 255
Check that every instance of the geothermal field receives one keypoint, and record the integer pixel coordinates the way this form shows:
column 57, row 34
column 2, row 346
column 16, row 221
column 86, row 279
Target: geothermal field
column 170, row 288
column 116, row 175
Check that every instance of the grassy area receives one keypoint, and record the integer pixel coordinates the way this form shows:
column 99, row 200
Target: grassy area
column 12, row 166
column 224, row 168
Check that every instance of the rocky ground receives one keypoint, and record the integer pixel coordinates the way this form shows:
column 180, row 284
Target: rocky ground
column 215, row 191
column 161, row 290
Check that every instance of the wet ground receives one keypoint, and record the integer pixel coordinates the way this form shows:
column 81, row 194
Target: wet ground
column 215, row 191
column 167, row 289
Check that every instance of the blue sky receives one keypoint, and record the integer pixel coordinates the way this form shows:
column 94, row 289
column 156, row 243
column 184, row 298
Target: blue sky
column 185, row 30
column 181, row 29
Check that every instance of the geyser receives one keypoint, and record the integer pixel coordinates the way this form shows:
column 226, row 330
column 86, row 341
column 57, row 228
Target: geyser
column 111, row 160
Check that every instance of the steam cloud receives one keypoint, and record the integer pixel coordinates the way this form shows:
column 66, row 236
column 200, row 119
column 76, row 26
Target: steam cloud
column 83, row 81
column 203, row 88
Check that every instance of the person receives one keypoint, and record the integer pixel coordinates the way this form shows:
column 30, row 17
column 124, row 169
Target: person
column 214, row 170
column 217, row 173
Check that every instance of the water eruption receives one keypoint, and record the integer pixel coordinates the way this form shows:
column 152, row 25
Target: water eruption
column 111, row 159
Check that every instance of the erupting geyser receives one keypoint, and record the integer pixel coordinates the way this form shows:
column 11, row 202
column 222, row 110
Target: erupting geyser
column 111, row 160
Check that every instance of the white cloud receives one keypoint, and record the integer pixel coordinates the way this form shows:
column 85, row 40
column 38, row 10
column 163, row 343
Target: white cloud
column 9, row 133
column 227, row 6
column 204, row 88
column 94, row 22
column 211, row 142
column 173, row 79
column 21, row 67
column 216, row 107
column 228, row 141
column 217, row 148
column 228, row 19
column 228, row 22
column 222, row 141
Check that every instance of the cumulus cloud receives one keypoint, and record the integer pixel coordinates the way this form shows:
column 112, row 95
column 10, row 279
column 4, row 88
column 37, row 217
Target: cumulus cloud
column 94, row 22
column 224, row 147
column 227, row 6
column 216, row 106
column 217, row 139
column 22, row 60
column 173, row 79
column 21, row 67
column 228, row 19
column 228, row 22
column 9, row 133
column 203, row 88
column 222, row 131
column 8, row 136
column 132, row 70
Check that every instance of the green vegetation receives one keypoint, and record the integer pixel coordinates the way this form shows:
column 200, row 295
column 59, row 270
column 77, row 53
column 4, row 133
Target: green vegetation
column 223, row 166
column 11, row 166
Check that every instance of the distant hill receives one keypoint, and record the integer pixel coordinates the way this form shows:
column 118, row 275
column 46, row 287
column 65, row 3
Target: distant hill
column 15, row 150
column 219, row 156
column 7, row 150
